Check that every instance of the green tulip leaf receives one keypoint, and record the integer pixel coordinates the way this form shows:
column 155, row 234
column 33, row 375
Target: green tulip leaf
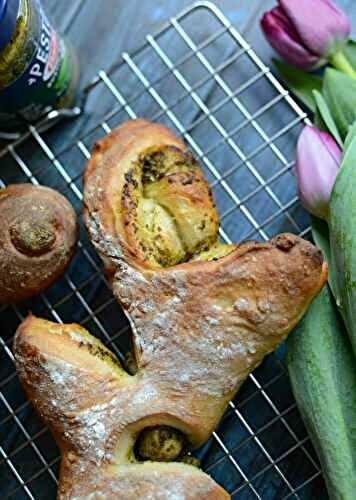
column 327, row 116
column 319, row 122
column 322, row 372
column 350, row 137
column 320, row 231
column 339, row 91
column 301, row 83
column 350, row 52
column 342, row 225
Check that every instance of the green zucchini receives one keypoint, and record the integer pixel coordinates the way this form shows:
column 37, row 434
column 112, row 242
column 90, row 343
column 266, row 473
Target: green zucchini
column 322, row 372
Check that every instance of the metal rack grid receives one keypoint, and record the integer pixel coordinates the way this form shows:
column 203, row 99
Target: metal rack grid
column 210, row 87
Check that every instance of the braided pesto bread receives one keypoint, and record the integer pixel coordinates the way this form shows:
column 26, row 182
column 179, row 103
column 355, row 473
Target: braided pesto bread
column 203, row 316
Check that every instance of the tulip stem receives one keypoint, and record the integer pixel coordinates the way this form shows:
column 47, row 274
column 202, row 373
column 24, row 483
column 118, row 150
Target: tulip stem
column 339, row 61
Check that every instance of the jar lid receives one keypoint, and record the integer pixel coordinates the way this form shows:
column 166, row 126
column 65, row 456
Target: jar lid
column 8, row 16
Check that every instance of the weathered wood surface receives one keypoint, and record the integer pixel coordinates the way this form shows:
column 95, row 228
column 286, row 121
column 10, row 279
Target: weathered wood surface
column 100, row 31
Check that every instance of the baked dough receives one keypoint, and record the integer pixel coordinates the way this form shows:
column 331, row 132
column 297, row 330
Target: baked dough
column 95, row 411
column 38, row 235
column 199, row 327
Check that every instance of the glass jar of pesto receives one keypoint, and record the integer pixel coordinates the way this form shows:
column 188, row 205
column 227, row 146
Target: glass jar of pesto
column 38, row 70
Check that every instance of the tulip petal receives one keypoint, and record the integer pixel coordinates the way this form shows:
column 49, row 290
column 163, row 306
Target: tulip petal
column 282, row 36
column 333, row 149
column 318, row 161
column 320, row 24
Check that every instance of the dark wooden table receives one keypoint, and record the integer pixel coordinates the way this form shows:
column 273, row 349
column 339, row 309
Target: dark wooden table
column 101, row 31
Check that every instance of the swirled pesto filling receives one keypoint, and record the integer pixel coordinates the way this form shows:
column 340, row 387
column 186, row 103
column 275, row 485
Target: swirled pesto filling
column 171, row 208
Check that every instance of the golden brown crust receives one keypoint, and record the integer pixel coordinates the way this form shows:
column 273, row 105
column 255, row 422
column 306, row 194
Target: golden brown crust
column 93, row 408
column 112, row 195
column 38, row 234
column 150, row 480
column 199, row 328
column 104, row 184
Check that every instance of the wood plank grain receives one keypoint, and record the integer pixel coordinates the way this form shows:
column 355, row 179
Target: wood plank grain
column 101, row 34
column 62, row 13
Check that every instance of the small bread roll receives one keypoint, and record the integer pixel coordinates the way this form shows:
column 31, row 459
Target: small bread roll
column 38, row 234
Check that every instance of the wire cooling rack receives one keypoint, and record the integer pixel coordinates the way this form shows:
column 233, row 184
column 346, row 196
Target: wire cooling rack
column 199, row 76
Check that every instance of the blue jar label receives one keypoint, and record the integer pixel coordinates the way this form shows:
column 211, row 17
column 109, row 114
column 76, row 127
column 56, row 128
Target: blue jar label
column 43, row 83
